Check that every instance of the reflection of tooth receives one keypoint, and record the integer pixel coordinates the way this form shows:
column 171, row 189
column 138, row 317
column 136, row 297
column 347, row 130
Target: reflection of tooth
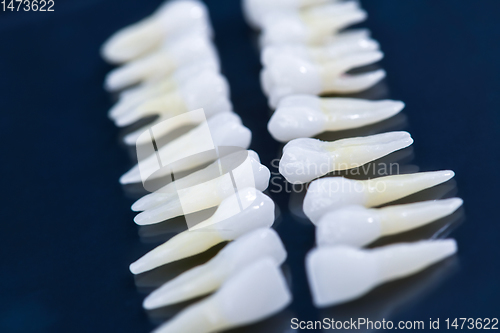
column 170, row 19
column 359, row 226
column 222, row 165
column 224, row 129
column 330, row 51
column 331, row 193
column 302, row 116
column 227, row 223
column 255, row 10
column 255, row 293
column 133, row 97
column 339, row 274
column 306, row 159
column 199, row 196
column 288, row 75
column 208, row 277
column 184, row 50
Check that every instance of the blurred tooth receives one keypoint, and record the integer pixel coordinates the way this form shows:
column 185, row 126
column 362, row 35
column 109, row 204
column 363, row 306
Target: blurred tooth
column 289, row 74
column 209, row 192
column 359, row 226
column 302, row 116
column 184, row 50
column 306, row 159
column 332, row 193
column 340, row 274
column 314, row 25
column 158, row 86
column 255, row 293
column 348, row 83
column 209, row 277
column 224, row 129
column 170, row 19
column 228, row 222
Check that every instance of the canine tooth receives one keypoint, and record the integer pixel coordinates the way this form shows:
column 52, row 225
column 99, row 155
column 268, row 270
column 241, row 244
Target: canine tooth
column 339, row 274
column 223, row 129
column 314, row 25
column 255, row 293
column 359, row 226
column 170, row 19
column 182, row 51
column 207, row 90
column 306, row 159
column 331, row 193
column 208, row 277
column 133, row 97
column 203, row 195
column 228, row 222
column 302, row 116
column 289, row 75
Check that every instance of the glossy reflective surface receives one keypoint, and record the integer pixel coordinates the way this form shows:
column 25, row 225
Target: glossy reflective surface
column 68, row 236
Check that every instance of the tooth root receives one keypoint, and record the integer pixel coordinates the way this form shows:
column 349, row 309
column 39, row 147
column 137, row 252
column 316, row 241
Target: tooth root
column 150, row 108
column 332, row 69
column 354, row 83
column 400, row 186
column 132, row 42
column 162, row 212
column 353, row 34
column 344, row 47
column 198, row 281
column 400, row 218
column 340, row 274
column 183, row 245
column 346, row 19
column 306, row 159
column 155, row 199
column 255, row 293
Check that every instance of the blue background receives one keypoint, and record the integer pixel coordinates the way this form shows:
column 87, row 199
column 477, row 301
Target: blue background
column 67, row 234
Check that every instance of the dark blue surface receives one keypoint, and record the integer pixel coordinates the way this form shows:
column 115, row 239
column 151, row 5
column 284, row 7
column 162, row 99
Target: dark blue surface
column 67, row 233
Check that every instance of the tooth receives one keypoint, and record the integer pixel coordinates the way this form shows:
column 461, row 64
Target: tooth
column 182, row 51
column 359, row 226
column 169, row 20
column 209, row 277
column 340, row 274
column 331, row 193
column 203, row 195
column 289, row 75
column 302, row 116
column 330, row 51
column 207, row 90
column 255, row 293
column 227, row 223
column 311, row 26
column 306, row 159
column 133, row 97
column 223, row 129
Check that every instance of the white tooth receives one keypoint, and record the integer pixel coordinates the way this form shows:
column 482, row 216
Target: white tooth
column 222, row 165
column 359, row 226
column 209, row 277
column 348, row 83
column 255, row 293
column 133, row 97
column 340, row 274
column 255, row 10
column 302, row 116
column 207, row 90
column 306, row 159
column 210, row 193
column 331, row 51
column 223, row 129
column 184, row 50
column 331, row 193
column 170, row 19
column 312, row 26
column 228, row 222
column 289, row 75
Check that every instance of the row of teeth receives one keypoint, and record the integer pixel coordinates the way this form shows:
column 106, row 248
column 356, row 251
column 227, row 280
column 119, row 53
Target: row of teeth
column 303, row 56
column 173, row 67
